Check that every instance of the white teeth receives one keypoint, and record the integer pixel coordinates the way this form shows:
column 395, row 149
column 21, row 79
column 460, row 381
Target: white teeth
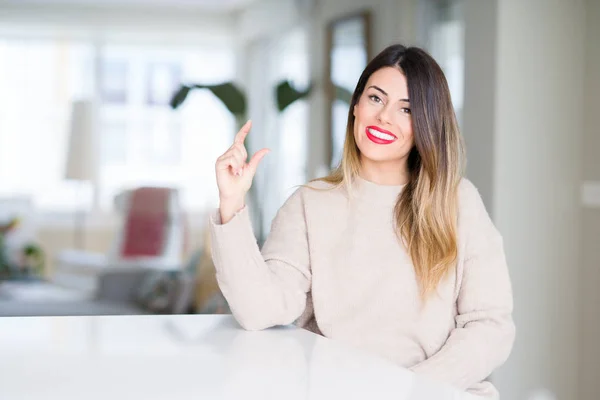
column 381, row 135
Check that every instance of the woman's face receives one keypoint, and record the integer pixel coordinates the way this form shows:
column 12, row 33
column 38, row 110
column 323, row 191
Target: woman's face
column 382, row 126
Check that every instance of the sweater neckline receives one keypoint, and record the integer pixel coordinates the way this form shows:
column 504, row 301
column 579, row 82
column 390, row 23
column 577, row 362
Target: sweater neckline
column 372, row 189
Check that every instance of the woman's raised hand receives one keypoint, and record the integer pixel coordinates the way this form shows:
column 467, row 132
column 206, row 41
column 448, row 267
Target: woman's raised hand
column 234, row 174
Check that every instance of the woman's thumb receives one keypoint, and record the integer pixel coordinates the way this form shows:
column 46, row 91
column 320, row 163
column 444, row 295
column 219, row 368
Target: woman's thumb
column 256, row 159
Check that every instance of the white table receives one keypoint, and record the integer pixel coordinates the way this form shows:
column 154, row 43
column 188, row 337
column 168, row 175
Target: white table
column 191, row 357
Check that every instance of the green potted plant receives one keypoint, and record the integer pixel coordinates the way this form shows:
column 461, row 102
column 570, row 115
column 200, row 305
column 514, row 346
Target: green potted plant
column 33, row 259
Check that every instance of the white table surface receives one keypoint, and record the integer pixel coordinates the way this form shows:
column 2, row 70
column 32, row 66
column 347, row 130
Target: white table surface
column 191, row 357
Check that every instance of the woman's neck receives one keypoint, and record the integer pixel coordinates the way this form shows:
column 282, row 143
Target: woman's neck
column 389, row 174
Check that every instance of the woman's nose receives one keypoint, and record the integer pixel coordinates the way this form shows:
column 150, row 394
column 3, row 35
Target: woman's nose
column 383, row 116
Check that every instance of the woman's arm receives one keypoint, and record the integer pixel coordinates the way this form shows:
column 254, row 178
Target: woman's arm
column 485, row 332
column 265, row 288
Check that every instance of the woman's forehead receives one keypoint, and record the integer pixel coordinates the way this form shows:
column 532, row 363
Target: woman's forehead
column 390, row 80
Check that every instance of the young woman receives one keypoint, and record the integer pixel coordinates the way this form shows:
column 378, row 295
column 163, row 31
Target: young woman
column 393, row 252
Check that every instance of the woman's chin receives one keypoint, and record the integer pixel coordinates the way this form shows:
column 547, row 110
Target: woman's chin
column 377, row 156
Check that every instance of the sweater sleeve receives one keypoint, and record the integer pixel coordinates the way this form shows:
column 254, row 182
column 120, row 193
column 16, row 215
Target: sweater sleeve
column 269, row 287
column 485, row 332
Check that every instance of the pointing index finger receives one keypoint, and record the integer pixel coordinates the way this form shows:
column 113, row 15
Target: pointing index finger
column 241, row 135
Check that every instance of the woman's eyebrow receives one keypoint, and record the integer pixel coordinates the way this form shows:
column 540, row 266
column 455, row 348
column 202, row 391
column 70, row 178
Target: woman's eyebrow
column 384, row 92
column 378, row 88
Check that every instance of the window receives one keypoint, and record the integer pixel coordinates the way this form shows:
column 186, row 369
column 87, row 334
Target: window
column 147, row 143
column 141, row 140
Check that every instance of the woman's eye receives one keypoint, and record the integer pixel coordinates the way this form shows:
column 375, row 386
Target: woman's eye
column 375, row 98
column 405, row 110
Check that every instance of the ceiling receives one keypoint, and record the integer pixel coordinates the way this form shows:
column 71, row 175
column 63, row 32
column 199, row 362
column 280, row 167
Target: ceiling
column 196, row 5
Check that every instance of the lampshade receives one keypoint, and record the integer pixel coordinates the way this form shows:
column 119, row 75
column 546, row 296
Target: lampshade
column 81, row 153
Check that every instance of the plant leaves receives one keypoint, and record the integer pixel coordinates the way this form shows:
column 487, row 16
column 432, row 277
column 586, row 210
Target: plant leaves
column 228, row 93
column 286, row 94
column 231, row 96
column 179, row 96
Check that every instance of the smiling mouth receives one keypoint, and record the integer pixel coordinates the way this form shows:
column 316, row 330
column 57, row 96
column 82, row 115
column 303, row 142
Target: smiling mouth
column 379, row 136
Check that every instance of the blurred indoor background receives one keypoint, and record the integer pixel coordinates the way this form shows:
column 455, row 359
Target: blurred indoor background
column 106, row 181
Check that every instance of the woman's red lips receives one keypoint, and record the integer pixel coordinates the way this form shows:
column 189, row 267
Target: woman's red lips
column 379, row 140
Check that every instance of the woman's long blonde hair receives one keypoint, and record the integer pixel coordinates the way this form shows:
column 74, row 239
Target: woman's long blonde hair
column 426, row 213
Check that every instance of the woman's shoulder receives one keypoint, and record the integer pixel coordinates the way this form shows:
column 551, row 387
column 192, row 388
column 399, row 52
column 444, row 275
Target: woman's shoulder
column 317, row 187
column 315, row 192
column 466, row 189
column 474, row 218
column 315, row 198
column 470, row 201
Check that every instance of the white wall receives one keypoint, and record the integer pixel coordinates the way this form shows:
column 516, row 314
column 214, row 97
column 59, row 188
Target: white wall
column 590, row 276
column 535, row 104
column 480, row 95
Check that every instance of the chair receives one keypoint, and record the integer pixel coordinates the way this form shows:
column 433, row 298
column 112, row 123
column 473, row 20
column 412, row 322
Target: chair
column 151, row 235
